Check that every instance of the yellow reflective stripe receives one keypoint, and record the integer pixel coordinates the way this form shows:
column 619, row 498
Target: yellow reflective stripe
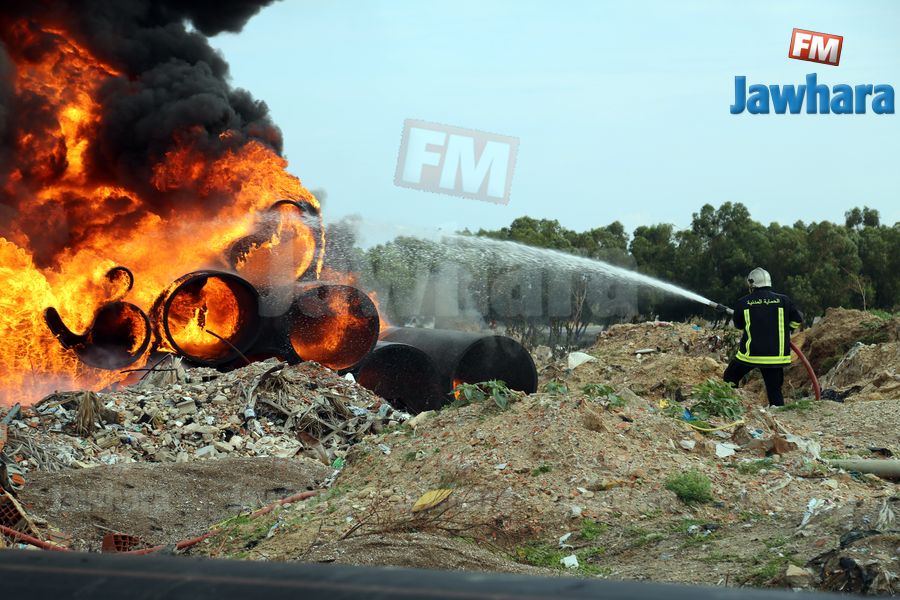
column 794, row 325
column 747, row 328
column 780, row 332
column 764, row 360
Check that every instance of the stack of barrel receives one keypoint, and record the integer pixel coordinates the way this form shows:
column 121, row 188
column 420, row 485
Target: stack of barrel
column 270, row 304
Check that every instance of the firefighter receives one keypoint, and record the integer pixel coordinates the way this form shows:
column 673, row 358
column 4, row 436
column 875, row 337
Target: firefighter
column 767, row 320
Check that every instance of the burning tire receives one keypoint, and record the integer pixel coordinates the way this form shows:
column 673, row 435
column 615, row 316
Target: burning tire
column 284, row 247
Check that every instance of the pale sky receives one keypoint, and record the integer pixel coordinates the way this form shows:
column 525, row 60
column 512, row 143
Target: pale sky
column 621, row 108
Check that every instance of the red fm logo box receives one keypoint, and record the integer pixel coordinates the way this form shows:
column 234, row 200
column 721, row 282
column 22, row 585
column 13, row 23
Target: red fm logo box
column 816, row 47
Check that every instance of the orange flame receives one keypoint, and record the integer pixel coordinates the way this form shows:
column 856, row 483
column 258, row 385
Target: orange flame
column 456, row 391
column 51, row 174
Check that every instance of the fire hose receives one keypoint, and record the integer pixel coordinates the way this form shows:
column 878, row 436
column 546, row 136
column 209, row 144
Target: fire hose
column 809, row 370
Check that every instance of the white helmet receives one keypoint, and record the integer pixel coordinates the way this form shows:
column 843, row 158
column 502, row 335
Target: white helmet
column 759, row 278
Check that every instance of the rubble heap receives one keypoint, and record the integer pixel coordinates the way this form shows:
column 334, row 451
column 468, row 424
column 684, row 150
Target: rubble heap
column 180, row 415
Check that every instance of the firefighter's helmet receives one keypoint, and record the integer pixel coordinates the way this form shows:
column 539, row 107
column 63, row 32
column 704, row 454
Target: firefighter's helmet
column 759, row 278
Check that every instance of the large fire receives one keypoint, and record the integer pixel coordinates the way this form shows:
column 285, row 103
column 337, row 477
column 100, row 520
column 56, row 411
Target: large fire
column 209, row 201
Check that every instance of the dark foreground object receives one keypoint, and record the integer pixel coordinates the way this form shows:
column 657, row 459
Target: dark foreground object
column 51, row 575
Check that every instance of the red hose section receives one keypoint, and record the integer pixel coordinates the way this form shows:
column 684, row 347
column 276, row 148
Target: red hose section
column 179, row 546
column 283, row 501
column 809, row 371
column 194, row 541
column 32, row 541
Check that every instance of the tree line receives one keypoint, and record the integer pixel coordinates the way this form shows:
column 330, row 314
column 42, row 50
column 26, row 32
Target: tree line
column 820, row 264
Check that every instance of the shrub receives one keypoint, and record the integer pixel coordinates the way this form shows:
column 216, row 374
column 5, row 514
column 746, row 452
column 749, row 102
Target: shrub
column 715, row 398
column 691, row 487
column 496, row 390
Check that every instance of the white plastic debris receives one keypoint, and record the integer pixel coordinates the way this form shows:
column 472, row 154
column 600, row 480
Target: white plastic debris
column 562, row 541
column 569, row 562
column 725, row 450
column 576, row 359
column 813, row 507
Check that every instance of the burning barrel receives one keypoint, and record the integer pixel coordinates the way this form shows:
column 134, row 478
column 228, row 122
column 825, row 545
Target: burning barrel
column 117, row 337
column 403, row 375
column 334, row 325
column 283, row 248
column 209, row 317
column 118, row 334
column 461, row 357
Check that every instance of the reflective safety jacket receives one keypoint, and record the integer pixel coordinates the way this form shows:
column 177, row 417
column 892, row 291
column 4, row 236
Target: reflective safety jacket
column 767, row 319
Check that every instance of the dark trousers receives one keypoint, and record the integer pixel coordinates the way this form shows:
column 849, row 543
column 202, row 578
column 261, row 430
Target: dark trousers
column 772, row 376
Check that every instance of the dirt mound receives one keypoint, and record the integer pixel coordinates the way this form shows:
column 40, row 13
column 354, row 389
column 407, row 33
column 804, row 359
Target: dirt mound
column 653, row 359
column 616, row 485
column 559, row 475
column 163, row 503
column 826, row 342
column 865, row 373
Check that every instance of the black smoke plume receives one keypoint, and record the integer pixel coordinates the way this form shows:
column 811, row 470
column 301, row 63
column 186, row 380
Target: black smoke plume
column 172, row 85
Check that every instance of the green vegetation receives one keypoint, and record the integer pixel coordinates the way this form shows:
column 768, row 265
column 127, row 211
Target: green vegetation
column 716, row 557
column 716, row 398
column 591, row 530
column 470, row 393
column 881, row 314
column 549, row 556
column 683, row 525
column 641, row 537
column 802, row 405
column 691, row 487
column 767, row 570
column 541, row 470
column 749, row 515
column 556, row 388
column 603, row 392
